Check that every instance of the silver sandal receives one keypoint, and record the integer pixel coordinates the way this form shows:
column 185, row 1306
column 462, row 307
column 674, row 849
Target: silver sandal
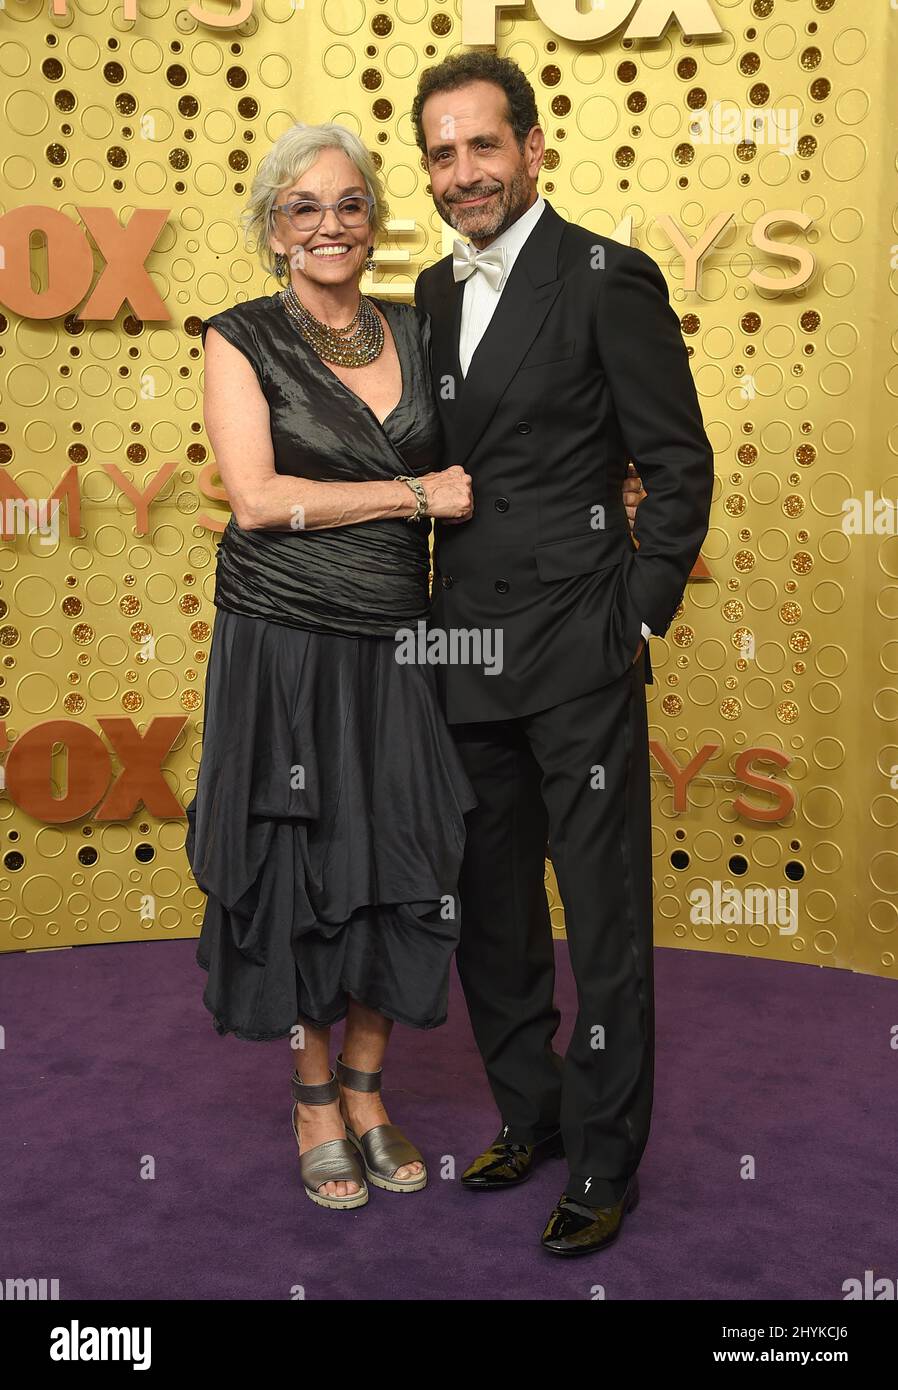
column 384, row 1149
column 334, row 1161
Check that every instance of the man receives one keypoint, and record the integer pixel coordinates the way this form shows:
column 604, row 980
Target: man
column 556, row 357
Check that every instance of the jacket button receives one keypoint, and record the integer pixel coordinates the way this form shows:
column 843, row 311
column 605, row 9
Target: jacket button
column 448, row 581
column 501, row 504
column 502, row 586
column 523, row 427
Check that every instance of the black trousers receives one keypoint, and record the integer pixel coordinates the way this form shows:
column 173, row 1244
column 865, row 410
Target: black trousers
column 575, row 776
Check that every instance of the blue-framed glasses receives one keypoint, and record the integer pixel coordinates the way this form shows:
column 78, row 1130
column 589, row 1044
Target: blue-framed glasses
column 306, row 215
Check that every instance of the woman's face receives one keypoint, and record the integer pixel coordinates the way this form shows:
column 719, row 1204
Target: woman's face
column 332, row 254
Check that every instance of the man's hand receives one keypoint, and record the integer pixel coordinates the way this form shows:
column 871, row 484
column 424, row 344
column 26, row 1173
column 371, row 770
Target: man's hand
column 638, row 651
column 633, row 494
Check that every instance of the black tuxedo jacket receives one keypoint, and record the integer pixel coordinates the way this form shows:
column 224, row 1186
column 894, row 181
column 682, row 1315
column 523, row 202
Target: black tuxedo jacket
column 581, row 368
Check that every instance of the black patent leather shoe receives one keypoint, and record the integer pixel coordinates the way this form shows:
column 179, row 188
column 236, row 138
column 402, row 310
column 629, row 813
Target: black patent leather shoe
column 577, row 1229
column 508, row 1165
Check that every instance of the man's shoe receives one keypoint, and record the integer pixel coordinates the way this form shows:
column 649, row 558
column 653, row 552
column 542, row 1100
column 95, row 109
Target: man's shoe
column 508, row 1165
column 577, row 1229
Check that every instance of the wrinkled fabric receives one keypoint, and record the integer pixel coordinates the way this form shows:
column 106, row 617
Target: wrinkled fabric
column 366, row 578
column 327, row 828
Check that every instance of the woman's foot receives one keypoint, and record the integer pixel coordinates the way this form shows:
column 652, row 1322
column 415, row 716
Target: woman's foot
column 362, row 1110
column 317, row 1124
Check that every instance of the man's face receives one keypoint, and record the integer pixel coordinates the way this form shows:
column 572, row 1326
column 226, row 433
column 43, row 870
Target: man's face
column 481, row 181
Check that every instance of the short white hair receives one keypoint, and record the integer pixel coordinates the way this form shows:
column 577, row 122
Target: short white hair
column 290, row 156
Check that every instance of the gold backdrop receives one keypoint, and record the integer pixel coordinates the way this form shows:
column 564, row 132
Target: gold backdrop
column 782, row 660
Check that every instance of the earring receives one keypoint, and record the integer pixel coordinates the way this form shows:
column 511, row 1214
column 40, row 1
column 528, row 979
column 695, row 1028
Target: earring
column 369, row 264
column 280, row 264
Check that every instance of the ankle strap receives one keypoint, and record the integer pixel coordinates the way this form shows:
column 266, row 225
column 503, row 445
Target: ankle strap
column 358, row 1080
column 321, row 1094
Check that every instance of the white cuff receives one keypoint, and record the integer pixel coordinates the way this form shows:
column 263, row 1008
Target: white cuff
column 646, row 631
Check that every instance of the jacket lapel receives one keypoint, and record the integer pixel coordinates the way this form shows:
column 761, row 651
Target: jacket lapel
column 528, row 294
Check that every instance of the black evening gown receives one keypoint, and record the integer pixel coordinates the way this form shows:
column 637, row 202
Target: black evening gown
column 327, row 827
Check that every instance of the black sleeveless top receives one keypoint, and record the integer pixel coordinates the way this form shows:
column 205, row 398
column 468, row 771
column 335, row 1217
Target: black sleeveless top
column 368, row 578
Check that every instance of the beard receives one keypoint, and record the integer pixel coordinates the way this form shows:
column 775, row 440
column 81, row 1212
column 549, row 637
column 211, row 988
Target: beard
column 489, row 221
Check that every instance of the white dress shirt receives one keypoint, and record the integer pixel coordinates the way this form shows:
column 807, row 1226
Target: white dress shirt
column 479, row 299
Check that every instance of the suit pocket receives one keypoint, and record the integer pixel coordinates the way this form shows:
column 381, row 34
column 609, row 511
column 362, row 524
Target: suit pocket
column 586, row 553
column 543, row 354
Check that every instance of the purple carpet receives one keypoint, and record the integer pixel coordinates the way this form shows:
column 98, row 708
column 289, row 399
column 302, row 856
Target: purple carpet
column 111, row 1062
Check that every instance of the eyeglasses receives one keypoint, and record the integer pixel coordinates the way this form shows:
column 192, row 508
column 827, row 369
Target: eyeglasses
column 306, row 215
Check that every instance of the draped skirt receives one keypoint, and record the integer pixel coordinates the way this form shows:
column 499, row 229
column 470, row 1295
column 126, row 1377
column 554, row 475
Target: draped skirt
column 327, row 831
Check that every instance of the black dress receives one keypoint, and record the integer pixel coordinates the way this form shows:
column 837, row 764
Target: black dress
column 327, row 827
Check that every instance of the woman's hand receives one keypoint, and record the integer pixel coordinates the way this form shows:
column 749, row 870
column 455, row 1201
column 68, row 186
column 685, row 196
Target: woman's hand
column 449, row 495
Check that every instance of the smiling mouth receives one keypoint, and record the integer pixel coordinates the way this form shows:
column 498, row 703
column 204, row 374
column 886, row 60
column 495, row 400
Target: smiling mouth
column 475, row 202
column 329, row 253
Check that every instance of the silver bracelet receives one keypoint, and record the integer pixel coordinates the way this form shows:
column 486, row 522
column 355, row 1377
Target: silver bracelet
column 417, row 488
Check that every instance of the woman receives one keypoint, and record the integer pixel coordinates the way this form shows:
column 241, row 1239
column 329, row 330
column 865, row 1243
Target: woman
column 328, row 824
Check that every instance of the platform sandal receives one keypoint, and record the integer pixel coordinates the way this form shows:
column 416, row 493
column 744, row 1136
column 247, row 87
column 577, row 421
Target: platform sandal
column 334, row 1161
column 383, row 1149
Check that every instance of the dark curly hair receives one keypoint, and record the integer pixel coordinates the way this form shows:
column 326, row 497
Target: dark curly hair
column 461, row 68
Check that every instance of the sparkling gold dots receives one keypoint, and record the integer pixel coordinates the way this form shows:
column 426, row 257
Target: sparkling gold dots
column 200, row 632
column 749, row 64
column 687, row 68
column 382, row 25
column 799, row 640
column 624, row 156
column 750, row 323
column 129, row 605
column 731, row 708
column 441, row 24
column 626, row 71
column 551, row 159
column 809, row 321
column 132, row 700
column 191, row 699
column 762, row 8
column 683, row 154
column 820, row 88
column 636, row 102
column 138, row 631
column 805, row 454
column 793, row 504
column 74, row 704
column 806, row 146
column 83, row 633
column 72, row 607
column 799, row 667
column 672, row 705
column 733, row 610
column 746, row 151
column 787, row 711
column 747, row 454
column 561, row 106
column 735, row 504
column 696, row 98
column 690, row 323
column 802, row 562
column 788, row 686
column 372, row 79
column 790, row 612
column 743, row 561
column 683, row 635
column 790, row 586
column 741, row 638
column 189, row 603
column 235, row 77
column 382, row 110
column 759, row 94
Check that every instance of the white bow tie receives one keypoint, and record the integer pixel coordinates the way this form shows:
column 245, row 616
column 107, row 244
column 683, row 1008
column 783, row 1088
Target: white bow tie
column 490, row 262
